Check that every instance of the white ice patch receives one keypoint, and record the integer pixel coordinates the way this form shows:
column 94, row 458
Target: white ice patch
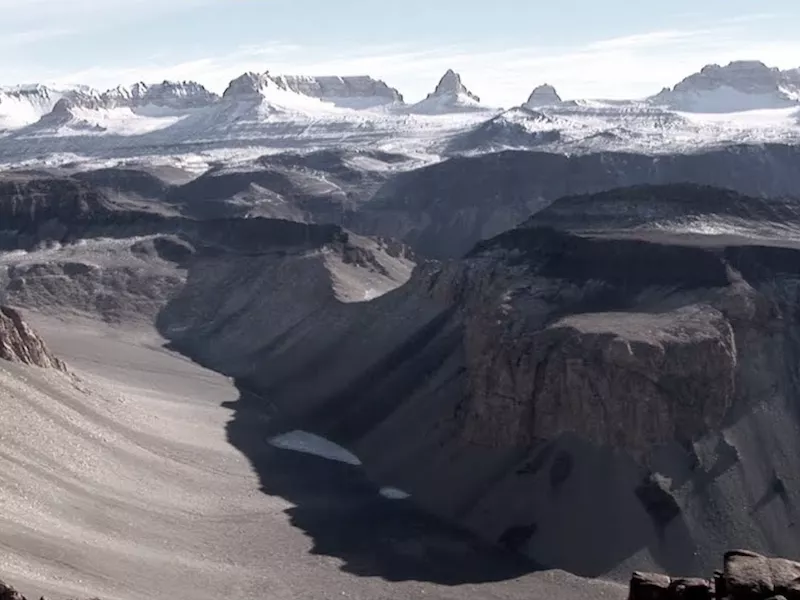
column 394, row 494
column 308, row 443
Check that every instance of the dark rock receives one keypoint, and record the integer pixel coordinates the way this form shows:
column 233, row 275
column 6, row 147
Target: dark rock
column 9, row 593
column 649, row 586
column 691, row 589
column 720, row 591
column 515, row 538
column 561, row 469
column 657, row 500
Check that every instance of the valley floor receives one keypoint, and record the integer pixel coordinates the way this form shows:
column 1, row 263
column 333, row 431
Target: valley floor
column 120, row 483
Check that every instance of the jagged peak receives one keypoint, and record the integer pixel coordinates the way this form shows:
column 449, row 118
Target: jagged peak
column 175, row 94
column 451, row 84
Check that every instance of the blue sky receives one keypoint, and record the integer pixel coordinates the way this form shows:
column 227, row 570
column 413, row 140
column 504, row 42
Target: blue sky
column 502, row 48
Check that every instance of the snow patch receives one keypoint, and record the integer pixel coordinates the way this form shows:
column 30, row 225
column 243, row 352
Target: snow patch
column 392, row 493
column 309, row 443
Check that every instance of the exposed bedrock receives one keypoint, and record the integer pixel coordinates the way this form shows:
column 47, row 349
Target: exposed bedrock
column 19, row 343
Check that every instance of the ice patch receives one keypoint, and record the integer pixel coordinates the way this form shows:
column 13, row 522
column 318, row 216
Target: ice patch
column 392, row 493
column 308, row 443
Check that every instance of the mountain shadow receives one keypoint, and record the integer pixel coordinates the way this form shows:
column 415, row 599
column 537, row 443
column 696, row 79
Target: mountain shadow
column 347, row 518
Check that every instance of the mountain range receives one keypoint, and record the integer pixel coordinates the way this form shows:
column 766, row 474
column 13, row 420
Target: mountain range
column 741, row 102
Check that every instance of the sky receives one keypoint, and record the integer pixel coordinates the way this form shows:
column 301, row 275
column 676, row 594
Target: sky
column 502, row 48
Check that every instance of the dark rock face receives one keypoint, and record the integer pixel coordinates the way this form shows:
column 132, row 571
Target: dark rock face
column 19, row 343
column 638, row 380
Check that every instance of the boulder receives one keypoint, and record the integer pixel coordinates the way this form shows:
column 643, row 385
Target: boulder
column 649, row 586
column 690, row 589
column 751, row 576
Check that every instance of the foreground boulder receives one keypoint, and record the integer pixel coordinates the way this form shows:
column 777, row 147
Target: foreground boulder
column 19, row 343
column 750, row 576
column 9, row 593
column 649, row 586
column 746, row 576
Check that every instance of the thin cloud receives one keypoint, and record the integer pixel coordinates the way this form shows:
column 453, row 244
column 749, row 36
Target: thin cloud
column 22, row 38
column 653, row 39
column 87, row 15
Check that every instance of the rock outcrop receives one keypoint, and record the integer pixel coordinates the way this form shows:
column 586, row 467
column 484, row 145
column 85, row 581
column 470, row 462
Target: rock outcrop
column 19, row 343
column 626, row 380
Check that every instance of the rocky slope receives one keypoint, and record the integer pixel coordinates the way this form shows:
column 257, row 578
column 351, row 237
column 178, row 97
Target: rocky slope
column 599, row 402
column 442, row 210
column 71, row 248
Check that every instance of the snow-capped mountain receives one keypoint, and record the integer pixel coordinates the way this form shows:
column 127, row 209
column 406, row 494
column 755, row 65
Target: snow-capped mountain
column 289, row 93
column 543, row 95
column 125, row 110
column 450, row 96
column 263, row 111
column 738, row 86
column 24, row 105
column 257, row 95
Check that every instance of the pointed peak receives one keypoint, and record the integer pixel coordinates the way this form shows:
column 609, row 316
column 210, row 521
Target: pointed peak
column 451, row 84
column 543, row 95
